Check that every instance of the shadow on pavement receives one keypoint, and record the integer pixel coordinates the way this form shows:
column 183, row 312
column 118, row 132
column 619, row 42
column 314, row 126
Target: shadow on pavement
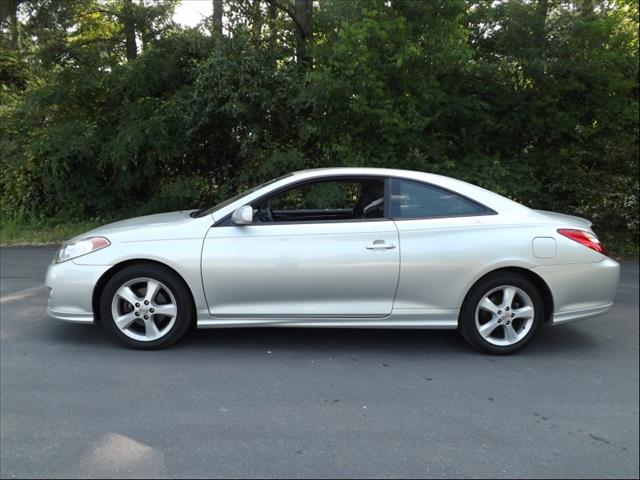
column 564, row 339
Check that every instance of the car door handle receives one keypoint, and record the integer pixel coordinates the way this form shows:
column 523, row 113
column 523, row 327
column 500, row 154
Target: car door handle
column 380, row 245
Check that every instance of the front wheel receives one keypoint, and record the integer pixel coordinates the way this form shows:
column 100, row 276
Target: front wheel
column 501, row 313
column 146, row 306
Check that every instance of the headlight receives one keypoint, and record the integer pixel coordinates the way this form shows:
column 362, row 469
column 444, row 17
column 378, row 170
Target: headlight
column 80, row 247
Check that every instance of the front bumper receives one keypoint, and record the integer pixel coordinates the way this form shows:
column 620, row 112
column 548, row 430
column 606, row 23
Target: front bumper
column 581, row 290
column 71, row 290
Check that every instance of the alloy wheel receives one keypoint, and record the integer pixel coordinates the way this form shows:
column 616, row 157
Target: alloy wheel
column 144, row 309
column 504, row 316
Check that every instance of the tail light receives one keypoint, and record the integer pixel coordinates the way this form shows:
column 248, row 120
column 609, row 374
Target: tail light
column 585, row 238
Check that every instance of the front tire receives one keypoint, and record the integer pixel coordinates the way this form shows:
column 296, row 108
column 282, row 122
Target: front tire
column 501, row 313
column 146, row 306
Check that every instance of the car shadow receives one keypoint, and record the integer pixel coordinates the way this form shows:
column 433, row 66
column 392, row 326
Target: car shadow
column 406, row 342
column 326, row 339
column 557, row 340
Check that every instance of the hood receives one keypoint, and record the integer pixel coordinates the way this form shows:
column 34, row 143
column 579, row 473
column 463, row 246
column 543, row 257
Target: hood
column 164, row 226
column 561, row 218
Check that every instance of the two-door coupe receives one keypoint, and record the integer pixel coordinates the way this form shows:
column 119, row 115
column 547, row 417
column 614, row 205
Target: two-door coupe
column 339, row 247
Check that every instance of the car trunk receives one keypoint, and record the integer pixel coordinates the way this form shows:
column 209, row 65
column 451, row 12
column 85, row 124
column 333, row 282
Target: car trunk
column 569, row 220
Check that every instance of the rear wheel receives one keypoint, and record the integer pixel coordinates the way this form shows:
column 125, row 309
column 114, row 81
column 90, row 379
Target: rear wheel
column 146, row 306
column 501, row 313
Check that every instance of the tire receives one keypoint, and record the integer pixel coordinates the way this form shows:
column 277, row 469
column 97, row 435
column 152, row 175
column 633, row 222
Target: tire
column 492, row 324
column 147, row 326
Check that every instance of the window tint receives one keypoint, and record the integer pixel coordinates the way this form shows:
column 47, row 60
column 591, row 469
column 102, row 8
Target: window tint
column 324, row 201
column 418, row 200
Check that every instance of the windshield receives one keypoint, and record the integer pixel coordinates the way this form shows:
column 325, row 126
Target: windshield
column 207, row 211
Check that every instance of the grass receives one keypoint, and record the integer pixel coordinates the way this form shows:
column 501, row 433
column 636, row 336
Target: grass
column 45, row 232
column 49, row 232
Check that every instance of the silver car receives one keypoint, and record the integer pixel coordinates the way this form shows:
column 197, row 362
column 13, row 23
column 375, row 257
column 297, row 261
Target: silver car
column 338, row 247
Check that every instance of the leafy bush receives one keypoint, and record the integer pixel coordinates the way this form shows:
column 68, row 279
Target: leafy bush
column 535, row 100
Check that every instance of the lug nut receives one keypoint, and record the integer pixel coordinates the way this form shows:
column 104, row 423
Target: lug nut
column 507, row 309
column 151, row 310
column 499, row 320
column 137, row 304
column 499, row 312
column 146, row 302
column 513, row 315
column 137, row 314
column 146, row 317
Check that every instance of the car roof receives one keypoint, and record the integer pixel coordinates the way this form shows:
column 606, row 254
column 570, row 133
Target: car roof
column 494, row 201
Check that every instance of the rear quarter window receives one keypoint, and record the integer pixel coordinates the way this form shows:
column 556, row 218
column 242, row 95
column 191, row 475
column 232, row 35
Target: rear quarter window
column 411, row 199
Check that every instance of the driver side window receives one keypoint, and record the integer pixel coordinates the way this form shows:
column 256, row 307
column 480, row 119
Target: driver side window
column 326, row 200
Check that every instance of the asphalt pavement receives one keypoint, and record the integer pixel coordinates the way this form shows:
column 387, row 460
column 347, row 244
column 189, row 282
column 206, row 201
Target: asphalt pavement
column 312, row 403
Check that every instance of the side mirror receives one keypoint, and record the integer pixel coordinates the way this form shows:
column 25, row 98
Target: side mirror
column 243, row 215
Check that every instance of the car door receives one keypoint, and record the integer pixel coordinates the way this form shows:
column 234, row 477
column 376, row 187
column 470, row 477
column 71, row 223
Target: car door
column 311, row 254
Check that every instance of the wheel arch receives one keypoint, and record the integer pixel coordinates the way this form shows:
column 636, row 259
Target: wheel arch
column 106, row 276
column 534, row 278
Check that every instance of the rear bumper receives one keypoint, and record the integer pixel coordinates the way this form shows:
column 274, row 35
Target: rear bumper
column 581, row 290
column 565, row 317
column 71, row 291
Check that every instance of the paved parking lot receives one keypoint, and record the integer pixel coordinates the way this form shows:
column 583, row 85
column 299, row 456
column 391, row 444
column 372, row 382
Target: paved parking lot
column 312, row 403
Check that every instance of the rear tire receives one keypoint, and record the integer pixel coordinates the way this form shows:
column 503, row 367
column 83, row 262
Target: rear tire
column 501, row 313
column 146, row 306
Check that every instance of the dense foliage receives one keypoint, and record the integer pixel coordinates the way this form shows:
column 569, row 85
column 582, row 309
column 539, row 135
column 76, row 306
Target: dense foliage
column 111, row 109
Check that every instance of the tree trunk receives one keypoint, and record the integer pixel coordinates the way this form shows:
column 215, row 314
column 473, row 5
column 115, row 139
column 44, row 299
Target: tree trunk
column 301, row 12
column 143, row 30
column 272, row 15
column 537, row 68
column 129, row 30
column 256, row 18
column 12, row 14
column 304, row 21
column 216, row 19
column 542, row 10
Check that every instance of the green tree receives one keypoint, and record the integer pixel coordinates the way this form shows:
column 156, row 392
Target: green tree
column 110, row 109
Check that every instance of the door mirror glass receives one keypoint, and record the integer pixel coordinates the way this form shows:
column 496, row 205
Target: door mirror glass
column 243, row 215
